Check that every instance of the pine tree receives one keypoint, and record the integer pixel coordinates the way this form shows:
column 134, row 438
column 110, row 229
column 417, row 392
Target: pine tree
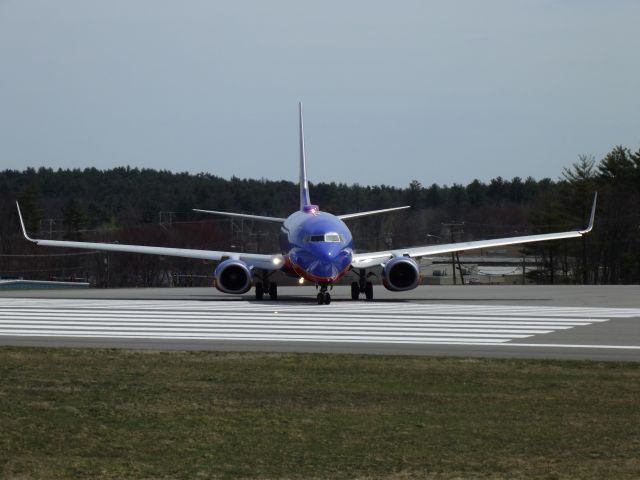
column 30, row 207
column 74, row 219
column 580, row 178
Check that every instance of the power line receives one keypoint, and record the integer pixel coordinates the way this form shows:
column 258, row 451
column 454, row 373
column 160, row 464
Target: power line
column 48, row 254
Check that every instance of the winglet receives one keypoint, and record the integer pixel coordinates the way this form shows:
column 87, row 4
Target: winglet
column 24, row 230
column 592, row 217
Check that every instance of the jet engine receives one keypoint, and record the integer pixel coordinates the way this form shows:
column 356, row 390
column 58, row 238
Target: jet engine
column 401, row 273
column 233, row 276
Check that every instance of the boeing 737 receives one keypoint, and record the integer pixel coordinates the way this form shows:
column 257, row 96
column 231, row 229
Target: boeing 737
column 315, row 246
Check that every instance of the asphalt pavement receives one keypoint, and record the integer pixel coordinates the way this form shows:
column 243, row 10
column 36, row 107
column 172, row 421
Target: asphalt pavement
column 563, row 322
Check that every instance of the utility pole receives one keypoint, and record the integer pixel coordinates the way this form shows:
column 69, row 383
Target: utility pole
column 237, row 232
column 258, row 236
column 585, row 278
column 388, row 240
column 551, row 265
column 459, row 229
column 170, row 214
column 460, row 267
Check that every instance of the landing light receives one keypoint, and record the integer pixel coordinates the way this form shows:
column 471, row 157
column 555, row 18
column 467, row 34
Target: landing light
column 301, row 280
column 276, row 261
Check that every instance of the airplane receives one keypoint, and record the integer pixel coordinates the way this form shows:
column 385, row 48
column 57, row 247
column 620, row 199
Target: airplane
column 315, row 246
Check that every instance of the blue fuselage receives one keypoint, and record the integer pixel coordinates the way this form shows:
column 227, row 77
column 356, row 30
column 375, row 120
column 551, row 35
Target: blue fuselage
column 317, row 246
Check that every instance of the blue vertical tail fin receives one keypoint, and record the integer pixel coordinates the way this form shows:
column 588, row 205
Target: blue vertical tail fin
column 304, row 184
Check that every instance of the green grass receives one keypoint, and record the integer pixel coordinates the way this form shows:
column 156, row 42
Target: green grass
column 72, row 413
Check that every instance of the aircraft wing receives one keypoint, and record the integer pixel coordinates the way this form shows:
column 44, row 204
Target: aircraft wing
column 265, row 262
column 366, row 260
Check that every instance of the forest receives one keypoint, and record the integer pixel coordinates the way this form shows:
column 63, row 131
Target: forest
column 154, row 207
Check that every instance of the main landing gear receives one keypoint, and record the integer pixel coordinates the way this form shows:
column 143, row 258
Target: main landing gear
column 323, row 296
column 362, row 286
column 265, row 286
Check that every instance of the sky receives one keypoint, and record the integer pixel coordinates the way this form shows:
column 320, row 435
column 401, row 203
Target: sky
column 441, row 92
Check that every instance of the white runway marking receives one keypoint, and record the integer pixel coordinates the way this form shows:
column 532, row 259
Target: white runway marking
column 392, row 323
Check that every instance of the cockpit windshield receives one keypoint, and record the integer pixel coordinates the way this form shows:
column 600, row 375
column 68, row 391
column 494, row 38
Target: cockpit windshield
column 327, row 237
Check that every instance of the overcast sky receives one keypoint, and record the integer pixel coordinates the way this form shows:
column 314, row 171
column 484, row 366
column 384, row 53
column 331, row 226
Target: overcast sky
column 392, row 91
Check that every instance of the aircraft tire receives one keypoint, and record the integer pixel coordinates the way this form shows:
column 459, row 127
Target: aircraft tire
column 355, row 291
column 368, row 291
column 259, row 291
column 327, row 298
column 320, row 299
column 273, row 291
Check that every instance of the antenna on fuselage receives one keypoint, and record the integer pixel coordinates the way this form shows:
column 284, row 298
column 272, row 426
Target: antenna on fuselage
column 304, row 184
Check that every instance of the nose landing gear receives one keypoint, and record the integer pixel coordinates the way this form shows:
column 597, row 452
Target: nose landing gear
column 323, row 296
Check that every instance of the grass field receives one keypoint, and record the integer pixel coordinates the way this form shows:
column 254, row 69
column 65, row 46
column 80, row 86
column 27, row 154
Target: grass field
column 71, row 413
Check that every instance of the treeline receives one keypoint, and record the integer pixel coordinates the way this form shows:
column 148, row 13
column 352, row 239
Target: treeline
column 148, row 206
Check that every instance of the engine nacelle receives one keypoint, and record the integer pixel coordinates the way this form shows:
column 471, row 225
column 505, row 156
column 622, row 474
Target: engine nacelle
column 401, row 273
column 233, row 276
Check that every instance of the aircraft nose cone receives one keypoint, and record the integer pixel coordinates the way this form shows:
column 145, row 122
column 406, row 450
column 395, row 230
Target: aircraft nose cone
column 322, row 264
column 326, row 255
column 330, row 264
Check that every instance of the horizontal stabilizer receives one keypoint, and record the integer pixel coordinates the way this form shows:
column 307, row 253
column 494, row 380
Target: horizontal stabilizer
column 371, row 212
column 243, row 215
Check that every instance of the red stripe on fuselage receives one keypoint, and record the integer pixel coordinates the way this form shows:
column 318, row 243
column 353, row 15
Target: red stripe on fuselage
column 296, row 269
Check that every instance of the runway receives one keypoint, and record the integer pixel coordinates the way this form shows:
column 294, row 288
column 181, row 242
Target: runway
column 385, row 327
